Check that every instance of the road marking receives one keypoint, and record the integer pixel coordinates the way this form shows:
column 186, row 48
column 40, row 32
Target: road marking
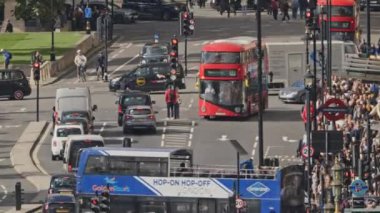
column 191, row 103
column 102, row 129
column 286, row 139
column 23, row 109
column 267, row 151
column 9, row 126
column 194, row 67
column 254, row 146
column 163, row 135
column 2, row 159
column 127, row 62
column 38, row 147
column 191, row 130
column 5, row 192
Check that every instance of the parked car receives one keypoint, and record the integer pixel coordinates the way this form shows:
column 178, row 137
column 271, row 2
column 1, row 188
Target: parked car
column 148, row 77
column 155, row 9
column 62, row 184
column 60, row 203
column 121, row 15
column 14, row 84
column 60, row 134
column 131, row 98
column 154, row 52
column 139, row 117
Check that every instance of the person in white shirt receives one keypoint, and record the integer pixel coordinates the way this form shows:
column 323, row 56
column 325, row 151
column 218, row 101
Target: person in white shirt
column 80, row 61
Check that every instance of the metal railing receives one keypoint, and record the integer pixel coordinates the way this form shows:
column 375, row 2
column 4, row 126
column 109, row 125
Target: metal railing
column 362, row 66
column 223, row 172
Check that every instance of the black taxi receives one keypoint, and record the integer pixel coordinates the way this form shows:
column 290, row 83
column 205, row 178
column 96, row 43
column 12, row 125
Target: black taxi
column 148, row 77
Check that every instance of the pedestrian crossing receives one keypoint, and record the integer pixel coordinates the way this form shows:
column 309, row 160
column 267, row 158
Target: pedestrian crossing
column 177, row 133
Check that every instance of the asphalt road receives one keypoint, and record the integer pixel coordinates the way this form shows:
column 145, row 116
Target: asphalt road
column 280, row 120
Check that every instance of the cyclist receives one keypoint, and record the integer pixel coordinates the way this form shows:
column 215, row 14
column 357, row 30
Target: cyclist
column 80, row 61
column 101, row 64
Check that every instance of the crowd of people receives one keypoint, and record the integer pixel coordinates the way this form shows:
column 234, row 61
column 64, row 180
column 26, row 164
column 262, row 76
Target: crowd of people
column 363, row 102
column 374, row 50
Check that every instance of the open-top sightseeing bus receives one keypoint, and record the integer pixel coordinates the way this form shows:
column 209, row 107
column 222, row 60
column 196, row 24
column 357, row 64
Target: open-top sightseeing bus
column 163, row 180
column 228, row 84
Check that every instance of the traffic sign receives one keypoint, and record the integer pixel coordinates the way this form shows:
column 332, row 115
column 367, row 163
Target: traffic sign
column 140, row 81
column 88, row 12
column 334, row 109
column 358, row 188
column 305, row 151
column 240, row 203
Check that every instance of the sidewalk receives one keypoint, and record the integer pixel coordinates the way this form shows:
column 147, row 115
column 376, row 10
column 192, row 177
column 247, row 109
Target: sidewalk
column 27, row 208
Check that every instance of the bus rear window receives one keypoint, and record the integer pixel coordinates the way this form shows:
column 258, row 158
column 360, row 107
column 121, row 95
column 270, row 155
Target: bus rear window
column 220, row 58
column 220, row 73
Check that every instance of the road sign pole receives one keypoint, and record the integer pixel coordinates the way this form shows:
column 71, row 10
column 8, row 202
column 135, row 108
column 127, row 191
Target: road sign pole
column 38, row 101
column 185, row 55
column 308, row 127
column 238, row 179
column 260, row 85
column 315, row 94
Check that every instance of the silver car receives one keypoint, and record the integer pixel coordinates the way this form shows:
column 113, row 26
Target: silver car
column 139, row 117
column 296, row 93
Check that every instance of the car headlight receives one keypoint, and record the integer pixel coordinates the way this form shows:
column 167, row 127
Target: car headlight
column 115, row 79
column 143, row 61
column 292, row 93
column 176, row 8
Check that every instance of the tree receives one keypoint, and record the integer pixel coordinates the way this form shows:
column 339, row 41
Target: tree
column 38, row 9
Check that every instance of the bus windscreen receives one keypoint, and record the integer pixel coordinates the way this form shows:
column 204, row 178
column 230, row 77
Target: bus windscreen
column 220, row 58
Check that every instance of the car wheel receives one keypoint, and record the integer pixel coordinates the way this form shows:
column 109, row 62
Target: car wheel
column 18, row 95
column 166, row 16
column 125, row 130
column 303, row 98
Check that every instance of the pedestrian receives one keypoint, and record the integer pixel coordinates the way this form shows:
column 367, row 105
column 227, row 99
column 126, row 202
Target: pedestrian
column 295, row 7
column 225, row 6
column 54, row 117
column 302, row 5
column 244, row 4
column 285, row 10
column 271, row 77
column 170, row 99
column 176, row 103
column 9, row 27
column 101, row 65
column 36, row 57
column 7, row 57
column 274, row 5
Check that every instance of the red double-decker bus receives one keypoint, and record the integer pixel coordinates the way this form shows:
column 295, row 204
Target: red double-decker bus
column 228, row 84
column 344, row 18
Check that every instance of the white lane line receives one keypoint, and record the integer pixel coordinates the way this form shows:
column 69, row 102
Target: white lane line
column 267, row 151
column 254, row 146
column 114, row 56
column 286, row 139
column 193, row 67
column 5, row 192
column 102, row 129
column 191, row 103
column 23, row 109
column 127, row 62
column 163, row 135
column 191, row 132
column 38, row 147
column 12, row 126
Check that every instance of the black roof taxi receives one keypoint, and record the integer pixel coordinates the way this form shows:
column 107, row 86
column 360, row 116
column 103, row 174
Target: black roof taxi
column 14, row 84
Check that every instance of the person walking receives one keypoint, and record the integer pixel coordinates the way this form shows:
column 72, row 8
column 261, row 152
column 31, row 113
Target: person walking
column 244, row 4
column 7, row 57
column 54, row 117
column 176, row 103
column 274, row 5
column 302, row 5
column 295, row 6
column 80, row 62
column 101, row 64
column 170, row 99
column 9, row 27
column 36, row 57
column 285, row 10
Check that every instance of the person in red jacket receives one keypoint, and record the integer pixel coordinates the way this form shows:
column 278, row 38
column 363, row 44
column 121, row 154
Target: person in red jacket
column 170, row 99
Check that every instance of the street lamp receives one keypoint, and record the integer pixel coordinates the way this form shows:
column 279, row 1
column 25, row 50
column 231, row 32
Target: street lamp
column 337, row 183
column 52, row 50
column 308, row 81
column 239, row 151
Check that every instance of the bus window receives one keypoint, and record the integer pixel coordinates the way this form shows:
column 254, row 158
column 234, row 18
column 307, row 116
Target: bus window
column 220, row 58
column 96, row 165
column 342, row 11
column 151, row 206
column 152, row 168
column 122, row 166
column 182, row 207
column 206, row 206
column 222, row 92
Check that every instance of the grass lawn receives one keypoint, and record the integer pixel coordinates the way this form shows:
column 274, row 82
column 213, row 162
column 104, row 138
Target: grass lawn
column 21, row 45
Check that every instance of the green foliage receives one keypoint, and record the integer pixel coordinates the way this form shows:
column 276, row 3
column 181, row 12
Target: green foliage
column 38, row 9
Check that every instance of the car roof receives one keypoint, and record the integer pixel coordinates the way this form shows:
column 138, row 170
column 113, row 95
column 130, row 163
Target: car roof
column 151, row 43
column 68, row 126
column 133, row 93
column 63, row 175
column 158, row 64
column 86, row 137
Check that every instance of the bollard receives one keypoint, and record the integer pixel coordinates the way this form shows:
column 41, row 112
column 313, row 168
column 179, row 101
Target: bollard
column 127, row 142
column 18, row 196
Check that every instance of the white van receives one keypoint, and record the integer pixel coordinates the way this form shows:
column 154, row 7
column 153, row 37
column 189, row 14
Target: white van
column 73, row 146
column 74, row 103
column 60, row 134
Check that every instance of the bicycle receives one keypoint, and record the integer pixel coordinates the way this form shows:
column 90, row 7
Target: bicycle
column 82, row 73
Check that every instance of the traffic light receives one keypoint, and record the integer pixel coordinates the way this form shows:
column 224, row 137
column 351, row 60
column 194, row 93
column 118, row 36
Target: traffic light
column 36, row 71
column 105, row 201
column 187, row 23
column 94, row 204
column 309, row 18
column 174, row 53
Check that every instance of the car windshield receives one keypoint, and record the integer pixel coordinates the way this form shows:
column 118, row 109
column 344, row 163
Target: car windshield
column 61, row 199
column 220, row 58
column 155, row 50
column 139, row 111
column 227, row 93
column 298, row 84
column 135, row 100
column 64, row 132
column 63, row 182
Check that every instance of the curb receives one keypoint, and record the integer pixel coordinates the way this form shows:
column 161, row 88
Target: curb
column 34, row 209
column 68, row 70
